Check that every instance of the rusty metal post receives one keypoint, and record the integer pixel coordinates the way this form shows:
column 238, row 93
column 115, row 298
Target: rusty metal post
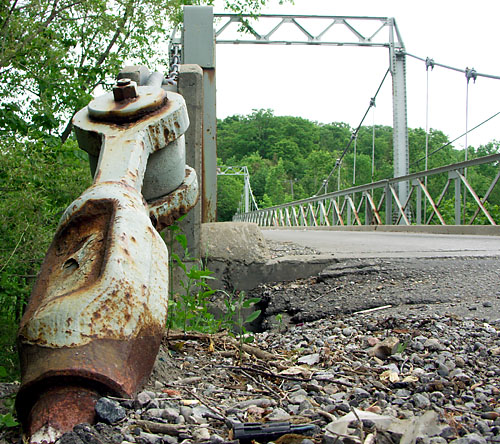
column 97, row 312
column 198, row 43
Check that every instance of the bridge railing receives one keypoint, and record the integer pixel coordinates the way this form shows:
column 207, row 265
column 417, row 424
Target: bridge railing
column 378, row 203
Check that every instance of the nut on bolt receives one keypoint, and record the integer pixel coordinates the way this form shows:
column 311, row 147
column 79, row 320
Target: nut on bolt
column 124, row 89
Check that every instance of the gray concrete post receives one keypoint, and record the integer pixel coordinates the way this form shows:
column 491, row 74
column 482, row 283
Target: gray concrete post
column 198, row 46
column 190, row 86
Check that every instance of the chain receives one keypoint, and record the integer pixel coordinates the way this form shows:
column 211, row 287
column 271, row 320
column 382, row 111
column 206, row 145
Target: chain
column 175, row 60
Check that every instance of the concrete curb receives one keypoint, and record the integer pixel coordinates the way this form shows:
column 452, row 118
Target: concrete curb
column 235, row 275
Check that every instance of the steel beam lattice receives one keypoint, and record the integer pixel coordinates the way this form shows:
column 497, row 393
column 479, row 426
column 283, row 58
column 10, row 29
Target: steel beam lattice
column 372, row 203
column 202, row 29
column 276, row 22
column 245, row 203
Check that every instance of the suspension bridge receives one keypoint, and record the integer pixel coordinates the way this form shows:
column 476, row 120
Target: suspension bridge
column 403, row 199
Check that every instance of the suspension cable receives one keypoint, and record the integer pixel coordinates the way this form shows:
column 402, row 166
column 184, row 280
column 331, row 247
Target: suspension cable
column 456, row 138
column 464, row 71
column 354, row 164
column 429, row 63
column 469, row 74
column 354, row 133
column 373, row 142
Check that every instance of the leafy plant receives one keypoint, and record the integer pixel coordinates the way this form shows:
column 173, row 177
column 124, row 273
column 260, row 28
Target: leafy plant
column 8, row 420
column 189, row 310
column 234, row 315
column 279, row 320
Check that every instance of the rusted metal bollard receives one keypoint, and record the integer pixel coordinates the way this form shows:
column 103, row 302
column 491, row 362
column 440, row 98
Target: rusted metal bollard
column 97, row 312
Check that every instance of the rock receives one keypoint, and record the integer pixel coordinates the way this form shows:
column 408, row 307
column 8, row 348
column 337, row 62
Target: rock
column 361, row 393
column 385, row 348
column 490, row 415
column 495, row 351
column 278, row 414
column 109, row 410
column 201, row 434
column 421, row 401
column 143, row 398
column 309, row 359
column 470, row 438
column 148, row 438
column 443, row 370
column 433, row 344
column 70, row 438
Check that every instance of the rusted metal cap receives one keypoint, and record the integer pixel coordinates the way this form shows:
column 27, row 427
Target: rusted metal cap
column 127, row 103
column 124, row 89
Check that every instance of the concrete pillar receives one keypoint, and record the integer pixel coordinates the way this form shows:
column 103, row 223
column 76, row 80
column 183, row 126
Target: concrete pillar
column 198, row 46
column 190, row 86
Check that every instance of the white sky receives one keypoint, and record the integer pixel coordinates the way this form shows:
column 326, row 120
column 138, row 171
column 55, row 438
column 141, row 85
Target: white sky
column 330, row 84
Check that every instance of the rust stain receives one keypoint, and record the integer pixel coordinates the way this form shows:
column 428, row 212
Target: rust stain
column 82, row 241
column 62, row 407
column 117, row 119
column 104, row 366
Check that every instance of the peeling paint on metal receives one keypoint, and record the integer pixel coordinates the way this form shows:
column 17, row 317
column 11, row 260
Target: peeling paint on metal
column 97, row 312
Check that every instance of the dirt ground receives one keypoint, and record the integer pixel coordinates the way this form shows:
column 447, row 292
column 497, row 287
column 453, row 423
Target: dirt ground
column 466, row 286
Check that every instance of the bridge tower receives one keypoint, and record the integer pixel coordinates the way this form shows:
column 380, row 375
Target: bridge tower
column 199, row 38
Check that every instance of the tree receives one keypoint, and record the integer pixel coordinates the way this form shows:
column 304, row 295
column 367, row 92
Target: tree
column 229, row 191
column 275, row 183
column 54, row 53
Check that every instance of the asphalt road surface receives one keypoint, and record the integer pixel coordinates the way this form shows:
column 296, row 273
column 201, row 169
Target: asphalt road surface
column 353, row 244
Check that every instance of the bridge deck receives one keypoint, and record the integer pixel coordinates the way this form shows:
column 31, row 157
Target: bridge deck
column 371, row 244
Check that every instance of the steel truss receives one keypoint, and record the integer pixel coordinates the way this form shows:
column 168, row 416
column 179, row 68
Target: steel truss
column 371, row 204
column 373, row 35
column 277, row 22
column 245, row 203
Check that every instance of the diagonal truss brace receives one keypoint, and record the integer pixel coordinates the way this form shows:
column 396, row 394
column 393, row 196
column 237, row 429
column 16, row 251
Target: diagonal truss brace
column 351, row 23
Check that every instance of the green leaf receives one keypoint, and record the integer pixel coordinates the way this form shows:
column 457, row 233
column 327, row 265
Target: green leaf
column 253, row 316
column 182, row 239
column 248, row 339
column 8, row 420
column 249, row 302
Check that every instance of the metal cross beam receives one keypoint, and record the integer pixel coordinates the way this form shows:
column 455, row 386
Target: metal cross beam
column 200, row 34
column 247, row 190
column 373, row 37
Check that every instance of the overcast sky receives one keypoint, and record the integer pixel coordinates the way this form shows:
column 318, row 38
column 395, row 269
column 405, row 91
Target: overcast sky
column 335, row 84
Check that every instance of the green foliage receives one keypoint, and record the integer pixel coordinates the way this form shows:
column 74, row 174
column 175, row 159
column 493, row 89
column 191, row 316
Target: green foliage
column 54, row 53
column 289, row 158
column 38, row 180
column 188, row 310
column 234, row 313
column 229, row 191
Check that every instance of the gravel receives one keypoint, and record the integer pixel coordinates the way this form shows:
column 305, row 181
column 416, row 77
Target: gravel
column 421, row 365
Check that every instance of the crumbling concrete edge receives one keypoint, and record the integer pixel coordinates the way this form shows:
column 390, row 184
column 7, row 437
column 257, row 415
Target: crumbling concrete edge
column 236, row 275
